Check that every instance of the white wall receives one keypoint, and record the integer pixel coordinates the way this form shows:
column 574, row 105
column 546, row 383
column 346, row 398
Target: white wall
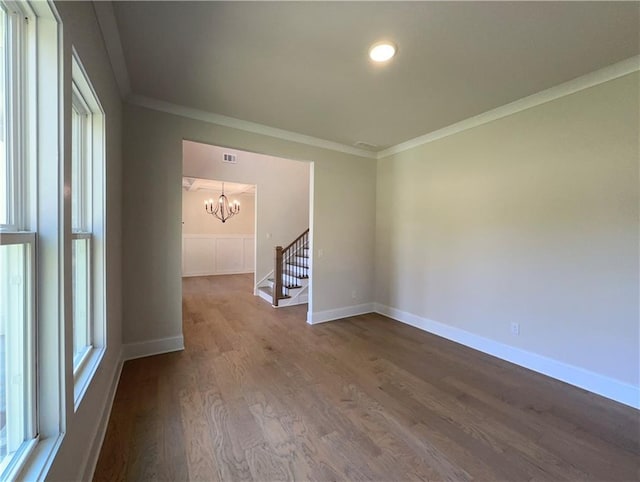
column 282, row 190
column 343, row 226
column 196, row 220
column 533, row 219
column 80, row 444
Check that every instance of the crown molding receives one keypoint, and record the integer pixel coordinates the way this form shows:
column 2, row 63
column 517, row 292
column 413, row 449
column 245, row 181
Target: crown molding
column 197, row 114
column 591, row 79
column 111, row 37
column 113, row 44
column 110, row 33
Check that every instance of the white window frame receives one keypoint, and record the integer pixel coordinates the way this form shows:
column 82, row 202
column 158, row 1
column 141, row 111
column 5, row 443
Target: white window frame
column 80, row 105
column 43, row 215
column 21, row 360
column 81, row 187
column 44, row 222
column 91, row 223
column 19, row 46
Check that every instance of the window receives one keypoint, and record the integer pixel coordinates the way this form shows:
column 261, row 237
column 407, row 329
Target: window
column 17, row 367
column 68, row 233
column 17, row 245
column 81, row 227
column 5, row 198
column 12, row 34
column 87, row 227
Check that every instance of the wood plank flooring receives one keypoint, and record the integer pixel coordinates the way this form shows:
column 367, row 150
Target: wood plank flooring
column 260, row 395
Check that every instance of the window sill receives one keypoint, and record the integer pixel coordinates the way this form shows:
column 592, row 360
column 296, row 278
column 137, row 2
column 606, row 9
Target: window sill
column 85, row 373
column 33, row 460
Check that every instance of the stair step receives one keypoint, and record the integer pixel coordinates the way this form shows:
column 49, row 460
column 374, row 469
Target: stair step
column 296, row 271
column 271, row 282
column 269, row 291
column 285, row 287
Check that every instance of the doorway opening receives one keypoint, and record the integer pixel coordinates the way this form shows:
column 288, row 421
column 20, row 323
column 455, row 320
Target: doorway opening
column 209, row 246
column 282, row 192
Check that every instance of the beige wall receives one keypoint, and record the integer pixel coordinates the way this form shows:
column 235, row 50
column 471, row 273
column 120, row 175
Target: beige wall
column 343, row 218
column 197, row 221
column 533, row 219
column 81, row 30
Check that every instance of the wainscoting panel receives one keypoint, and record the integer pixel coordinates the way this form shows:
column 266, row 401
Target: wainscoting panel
column 211, row 254
column 198, row 257
column 229, row 255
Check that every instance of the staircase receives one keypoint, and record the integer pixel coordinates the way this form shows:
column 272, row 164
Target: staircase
column 289, row 284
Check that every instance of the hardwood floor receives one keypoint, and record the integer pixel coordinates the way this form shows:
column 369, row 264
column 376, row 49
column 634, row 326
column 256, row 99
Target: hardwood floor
column 260, row 395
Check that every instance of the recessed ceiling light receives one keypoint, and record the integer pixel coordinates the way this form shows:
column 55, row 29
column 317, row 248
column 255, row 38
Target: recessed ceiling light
column 382, row 51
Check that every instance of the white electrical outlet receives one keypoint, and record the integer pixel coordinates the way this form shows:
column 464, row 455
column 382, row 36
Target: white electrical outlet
column 226, row 157
column 354, row 294
column 515, row 328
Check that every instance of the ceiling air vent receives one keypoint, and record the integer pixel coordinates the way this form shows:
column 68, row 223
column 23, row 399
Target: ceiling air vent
column 366, row 145
column 226, row 157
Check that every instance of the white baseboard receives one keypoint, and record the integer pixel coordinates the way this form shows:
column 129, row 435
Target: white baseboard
column 607, row 387
column 338, row 313
column 101, row 429
column 215, row 273
column 153, row 347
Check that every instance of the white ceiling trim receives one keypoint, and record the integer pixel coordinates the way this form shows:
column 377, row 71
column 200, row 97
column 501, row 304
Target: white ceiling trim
column 111, row 36
column 197, row 114
column 591, row 79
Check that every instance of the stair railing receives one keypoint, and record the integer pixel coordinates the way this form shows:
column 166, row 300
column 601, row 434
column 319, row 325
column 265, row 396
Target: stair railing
column 285, row 262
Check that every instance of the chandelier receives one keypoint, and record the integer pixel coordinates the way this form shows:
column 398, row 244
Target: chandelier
column 223, row 209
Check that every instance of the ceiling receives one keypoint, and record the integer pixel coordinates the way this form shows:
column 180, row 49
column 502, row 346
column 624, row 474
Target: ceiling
column 193, row 184
column 303, row 66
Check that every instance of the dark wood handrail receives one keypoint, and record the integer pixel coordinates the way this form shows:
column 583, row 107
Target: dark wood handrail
column 296, row 240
